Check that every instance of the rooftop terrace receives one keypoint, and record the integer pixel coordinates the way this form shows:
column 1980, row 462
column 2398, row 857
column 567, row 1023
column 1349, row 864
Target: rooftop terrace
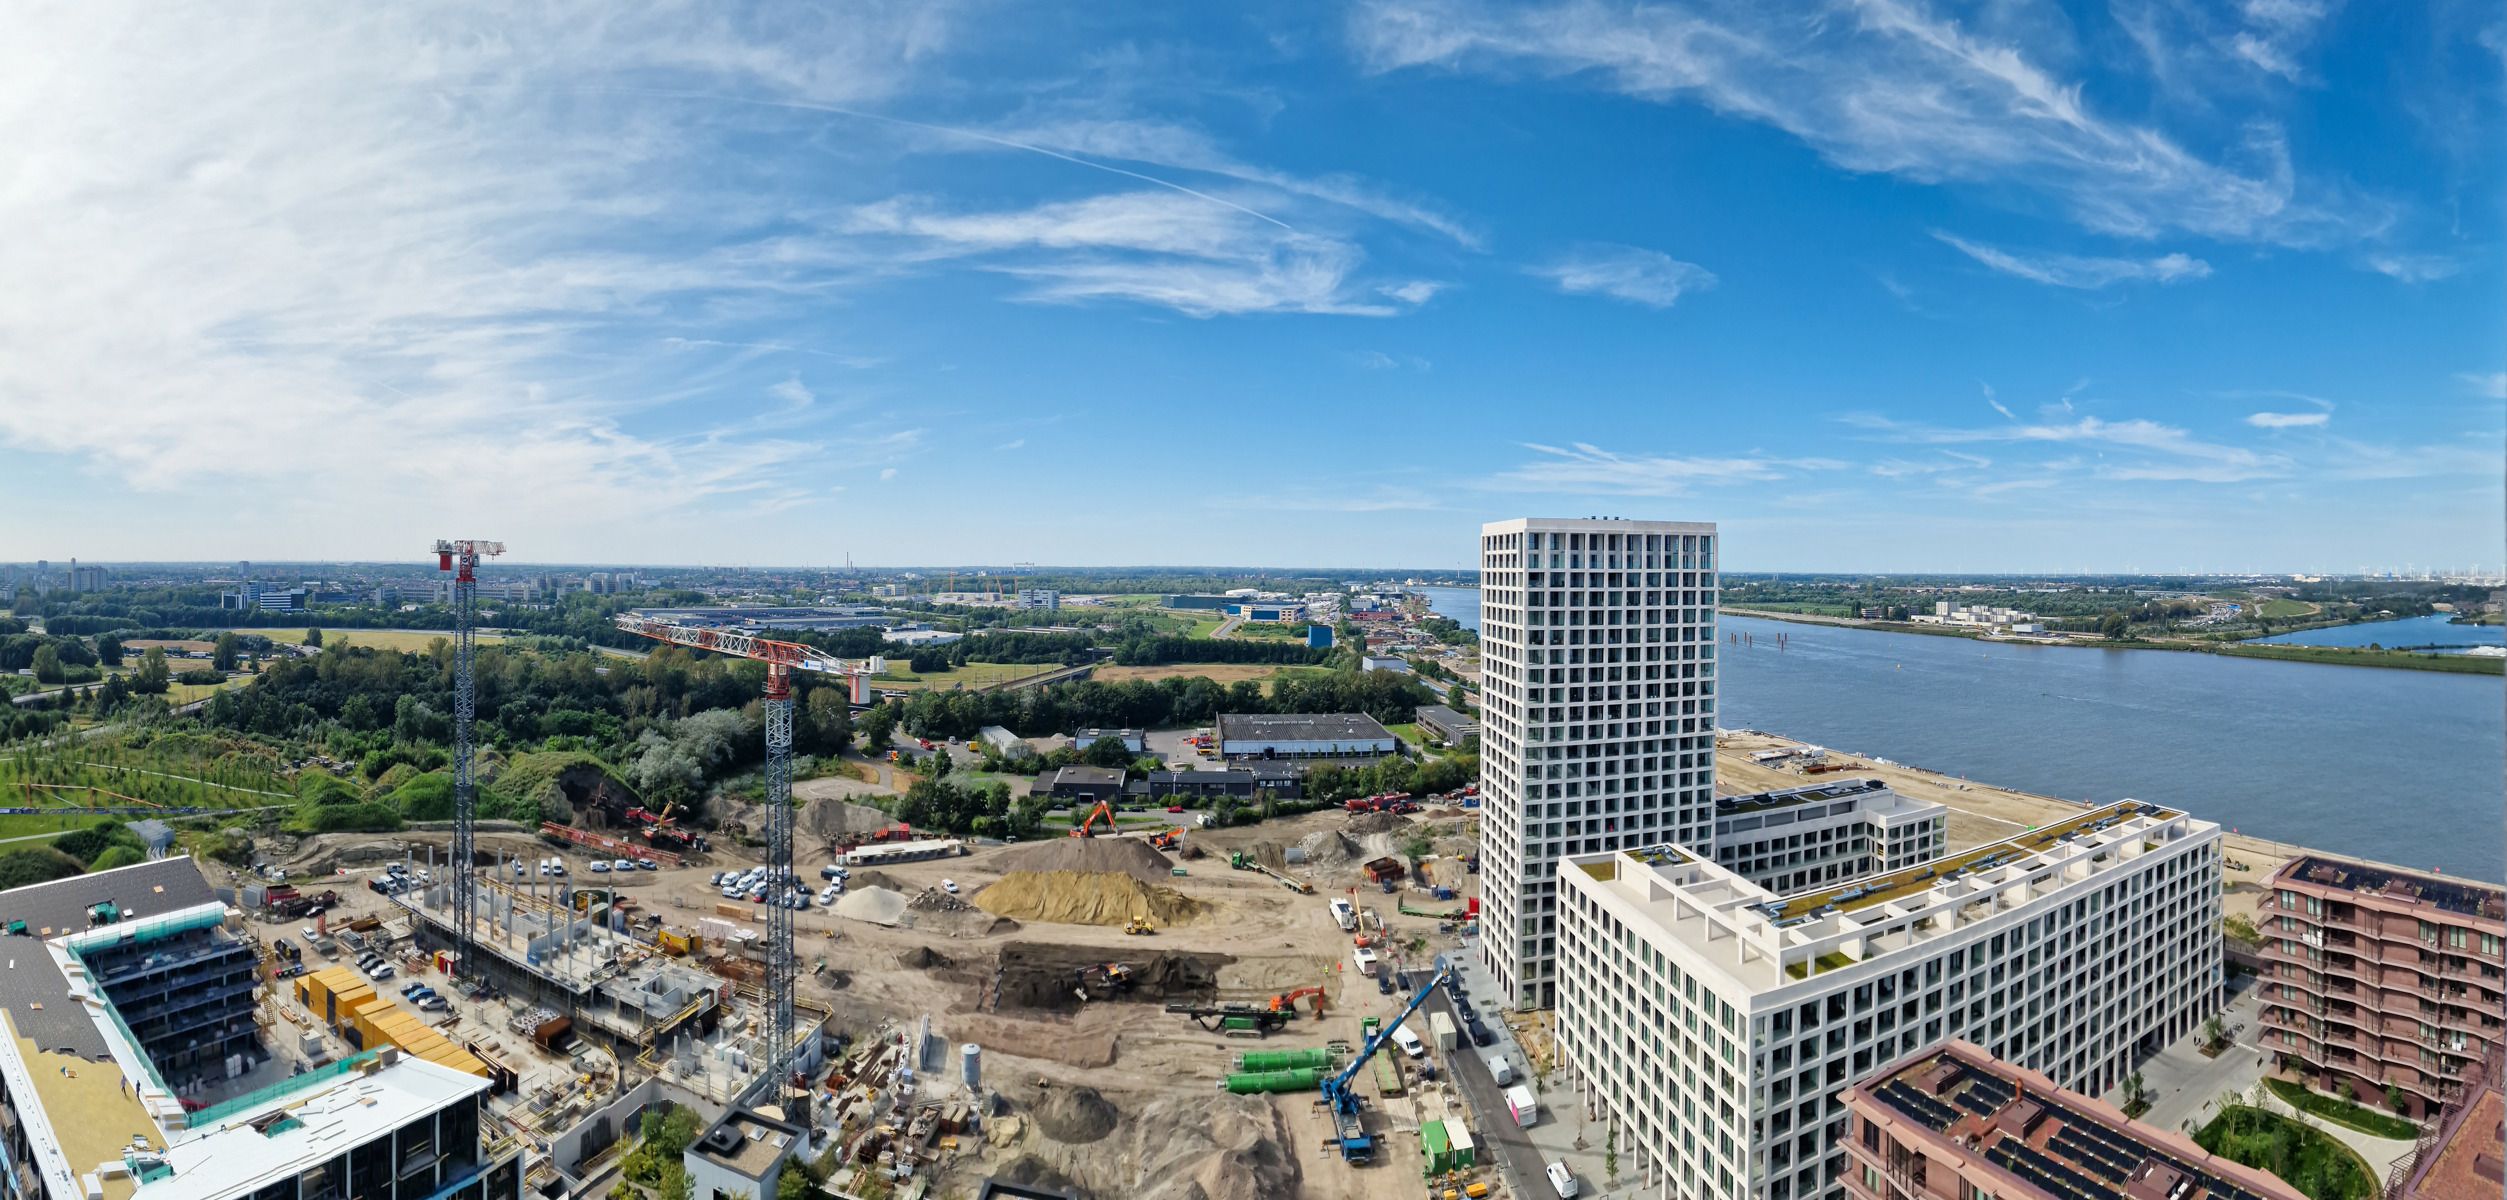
column 2059, row 1142
column 1897, row 885
column 2447, row 895
column 1818, row 793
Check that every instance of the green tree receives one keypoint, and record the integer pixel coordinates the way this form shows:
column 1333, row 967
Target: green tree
column 153, row 675
column 48, row 665
column 19, row 868
column 313, row 637
column 109, row 650
column 794, row 1183
column 939, row 761
column 2113, row 626
column 223, row 656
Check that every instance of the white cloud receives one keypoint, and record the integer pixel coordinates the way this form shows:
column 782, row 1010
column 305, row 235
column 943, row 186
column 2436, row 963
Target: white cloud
column 1416, row 291
column 329, row 246
column 1882, row 86
column 1377, row 360
column 1163, row 248
column 1013, row 444
column 2492, row 384
column 1997, row 404
column 1639, row 276
column 887, row 473
column 2157, row 452
column 1587, row 470
column 2413, row 268
column 2282, row 420
column 2077, row 271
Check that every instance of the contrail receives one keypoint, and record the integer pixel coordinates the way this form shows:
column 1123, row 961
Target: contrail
column 954, row 131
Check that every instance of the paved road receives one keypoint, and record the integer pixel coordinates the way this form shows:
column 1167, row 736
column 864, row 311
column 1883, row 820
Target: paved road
column 1504, row 1144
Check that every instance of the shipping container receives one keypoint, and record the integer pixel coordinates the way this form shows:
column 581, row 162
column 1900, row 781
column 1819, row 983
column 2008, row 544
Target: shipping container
column 1442, row 1026
column 1466, row 1152
column 1438, row 1149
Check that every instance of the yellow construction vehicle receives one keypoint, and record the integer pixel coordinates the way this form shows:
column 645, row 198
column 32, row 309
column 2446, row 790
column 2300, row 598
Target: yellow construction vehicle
column 1139, row 925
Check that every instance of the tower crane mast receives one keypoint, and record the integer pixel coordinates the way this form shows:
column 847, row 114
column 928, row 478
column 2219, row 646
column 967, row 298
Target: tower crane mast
column 461, row 556
column 781, row 659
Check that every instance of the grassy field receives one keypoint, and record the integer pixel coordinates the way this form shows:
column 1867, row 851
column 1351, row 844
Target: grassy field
column 1216, row 672
column 1203, row 627
column 411, row 640
column 2461, row 664
column 1271, row 631
column 1410, row 732
column 972, row 675
column 105, row 774
column 2279, row 609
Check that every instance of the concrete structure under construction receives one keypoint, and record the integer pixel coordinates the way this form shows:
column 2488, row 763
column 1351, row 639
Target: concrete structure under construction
column 2382, row 984
column 1710, row 1023
column 133, row 1067
column 1954, row 1121
column 1597, row 715
column 1826, row 833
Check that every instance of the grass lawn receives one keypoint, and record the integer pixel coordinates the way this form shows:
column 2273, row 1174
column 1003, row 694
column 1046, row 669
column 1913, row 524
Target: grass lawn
column 1410, row 732
column 2463, row 664
column 1271, row 631
column 1203, row 627
column 2343, row 1112
column 2304, row 1157
column 407, row 640
column 179, row 694
column 972, row 675
column 1215, row 672
column 2277, row 609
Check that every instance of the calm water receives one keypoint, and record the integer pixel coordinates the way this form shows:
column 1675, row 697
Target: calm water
column 2437, row 629
column 2402, row 766
column 1462, row 605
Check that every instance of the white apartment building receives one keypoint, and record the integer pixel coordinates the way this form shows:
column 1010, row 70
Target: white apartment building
column 1597, row 731
column 1712, row 1023
column 1806, row 837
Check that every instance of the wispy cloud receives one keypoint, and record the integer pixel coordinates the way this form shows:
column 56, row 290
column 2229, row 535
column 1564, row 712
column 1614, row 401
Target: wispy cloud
column 1587, row 470
column 1378, row 360
column 2078, row 271
column 1885, row 86
column 2289, row 420
column 2492, row 384
column 1152, row 247
column 1013, row 444
column 2155, row 451
column 2413, row 268
column 1997, row 404
column 1639, row 276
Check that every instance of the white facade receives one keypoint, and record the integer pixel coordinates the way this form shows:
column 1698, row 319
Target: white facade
column 1597, row 731
column 1711, row 1023
column 1826, row 833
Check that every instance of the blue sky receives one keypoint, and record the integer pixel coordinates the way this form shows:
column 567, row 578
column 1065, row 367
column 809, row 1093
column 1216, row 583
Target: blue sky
column 1878, row 286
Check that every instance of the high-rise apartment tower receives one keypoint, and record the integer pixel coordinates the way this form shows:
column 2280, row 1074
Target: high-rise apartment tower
column 1598, row 713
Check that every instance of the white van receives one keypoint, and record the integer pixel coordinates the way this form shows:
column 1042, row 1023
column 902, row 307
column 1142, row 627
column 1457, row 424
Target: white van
column 1364, row 959
column 1500, row 1070
column 1409, row 1042
column 1563, row 1180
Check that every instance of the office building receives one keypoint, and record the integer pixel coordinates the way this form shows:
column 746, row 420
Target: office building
column 85, row 579
column 1826, row 833
column 1710, row 1023
column 1448, row 724
column 267, row 597
column 1303, row 735
column 1044, row 598
column 2379, row 984
column 1086, row 785
column 134, row 1067
column 1954, row 1121
column 1597, row 721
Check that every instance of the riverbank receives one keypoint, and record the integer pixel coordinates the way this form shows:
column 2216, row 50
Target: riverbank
column 1981, row 813
column 2339, row 656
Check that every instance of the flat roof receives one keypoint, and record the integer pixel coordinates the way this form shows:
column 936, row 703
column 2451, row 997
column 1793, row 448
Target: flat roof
column 1087, row 775
column 32, row 986
column 1302, row 727
column 236, row 1159
column 747, row 1142
column 2448, row 894
column 1895, row 885
column 2055, row 1140
column 1817, row 793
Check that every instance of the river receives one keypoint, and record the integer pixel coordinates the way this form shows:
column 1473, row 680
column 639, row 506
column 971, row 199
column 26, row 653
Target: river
column 2400, row 766
column 2437, row 629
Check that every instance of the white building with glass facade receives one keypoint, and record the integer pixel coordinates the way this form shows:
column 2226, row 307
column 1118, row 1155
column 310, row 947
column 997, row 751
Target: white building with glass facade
column 1597, row 643
column 1710, row 1023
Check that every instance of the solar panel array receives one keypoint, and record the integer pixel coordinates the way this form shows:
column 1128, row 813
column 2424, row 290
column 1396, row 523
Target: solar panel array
column 2056, row 1178
column 1933, row 1114
column 2116, row 1149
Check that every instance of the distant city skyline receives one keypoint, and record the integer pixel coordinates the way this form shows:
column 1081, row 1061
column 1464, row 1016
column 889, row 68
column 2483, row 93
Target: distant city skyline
column 1918, row 287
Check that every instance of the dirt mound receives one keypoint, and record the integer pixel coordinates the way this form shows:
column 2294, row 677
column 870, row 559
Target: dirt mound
column 1379, row 822
column 1076, row 1116
column 873, row 879
column 936, row 900
column 1087, row 898
column 1037, row 975
column 879, row 906
column 1129, row 856
column 924, row 958
column 1029, row 1171
column 1331, row 848
column 1176, row 1148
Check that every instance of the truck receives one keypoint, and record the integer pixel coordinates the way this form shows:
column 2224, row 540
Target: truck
column 1365, row 960
column 1442, row 1026
column 1526, row 1109
column 1345, row 915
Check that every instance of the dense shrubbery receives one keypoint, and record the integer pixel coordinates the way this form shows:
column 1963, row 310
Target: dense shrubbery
column 2303, row 1157
column 1061, row 708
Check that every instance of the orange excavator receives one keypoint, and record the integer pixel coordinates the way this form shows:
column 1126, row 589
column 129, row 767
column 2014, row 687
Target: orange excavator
column 1088, row 828
column 1286, row 1002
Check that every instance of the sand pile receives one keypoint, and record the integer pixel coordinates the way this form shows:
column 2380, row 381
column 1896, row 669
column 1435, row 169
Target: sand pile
column 1333, row 850
column 877, row 905
column 1075, row 1116
column 873, row 879
column 1130, row 856
column 936, row 911
column 1176, row 1148
column 1087, row 898
column 1378, row 822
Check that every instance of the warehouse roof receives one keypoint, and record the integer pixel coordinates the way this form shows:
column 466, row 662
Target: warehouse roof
column 1302, row 727
column 1084, row 777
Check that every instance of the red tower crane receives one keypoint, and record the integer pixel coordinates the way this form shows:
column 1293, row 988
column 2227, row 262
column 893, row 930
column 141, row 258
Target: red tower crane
column 461, row 556
column 781, row 659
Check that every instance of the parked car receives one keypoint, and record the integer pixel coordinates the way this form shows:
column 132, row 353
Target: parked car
column 646, row 864
column 600, row 866
column 950, row 886
column 622, row 864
